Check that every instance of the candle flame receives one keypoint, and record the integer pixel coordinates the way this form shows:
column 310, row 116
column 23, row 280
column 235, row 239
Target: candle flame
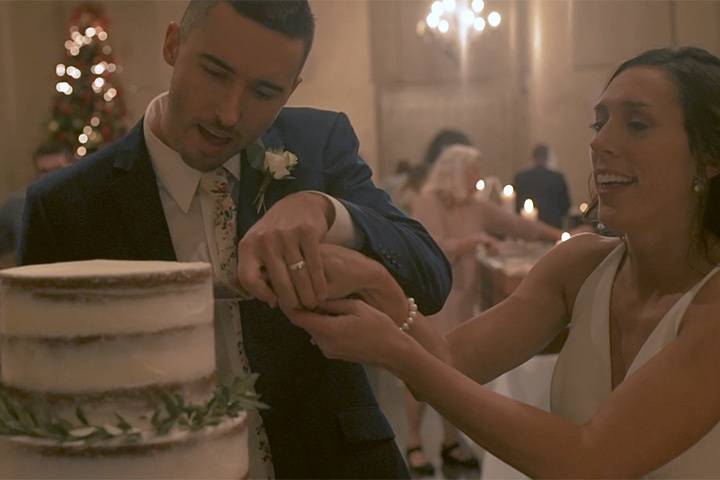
column 528, row 205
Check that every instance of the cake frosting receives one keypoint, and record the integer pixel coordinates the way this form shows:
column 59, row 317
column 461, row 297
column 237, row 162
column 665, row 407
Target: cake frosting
column 110, row 338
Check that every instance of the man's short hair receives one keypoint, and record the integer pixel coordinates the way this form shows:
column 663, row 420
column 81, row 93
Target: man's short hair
column 540, row 153
column 292, row 18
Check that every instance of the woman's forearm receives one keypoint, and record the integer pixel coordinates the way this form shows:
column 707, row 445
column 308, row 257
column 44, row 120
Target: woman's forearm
column 531, row 440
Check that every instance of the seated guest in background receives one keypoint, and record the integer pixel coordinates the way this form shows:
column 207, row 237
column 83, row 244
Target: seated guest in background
column 460, row 221
column 188, row 183
column 545, row 187
column 46, row 158
column 636, row 391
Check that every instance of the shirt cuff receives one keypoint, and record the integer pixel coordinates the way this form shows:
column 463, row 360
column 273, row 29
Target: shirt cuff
column 342, row 232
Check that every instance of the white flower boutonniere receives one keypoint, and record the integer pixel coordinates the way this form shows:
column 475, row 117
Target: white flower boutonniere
column 276, row 164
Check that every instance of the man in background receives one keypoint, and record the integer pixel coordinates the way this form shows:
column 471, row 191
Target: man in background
column 546, row 188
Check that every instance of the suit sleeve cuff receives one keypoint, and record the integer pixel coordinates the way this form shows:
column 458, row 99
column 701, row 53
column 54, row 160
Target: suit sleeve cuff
column 342, row 232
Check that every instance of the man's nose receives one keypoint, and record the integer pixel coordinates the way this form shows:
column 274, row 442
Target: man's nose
column 231, row 107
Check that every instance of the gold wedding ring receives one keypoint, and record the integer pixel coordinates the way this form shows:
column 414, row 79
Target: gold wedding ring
column 294, row 267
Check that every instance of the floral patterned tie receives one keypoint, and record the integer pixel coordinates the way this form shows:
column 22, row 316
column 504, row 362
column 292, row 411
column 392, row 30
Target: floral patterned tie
column 217, row 184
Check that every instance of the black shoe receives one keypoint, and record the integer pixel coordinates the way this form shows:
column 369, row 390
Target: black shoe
column 424, row 469
column 450, row 460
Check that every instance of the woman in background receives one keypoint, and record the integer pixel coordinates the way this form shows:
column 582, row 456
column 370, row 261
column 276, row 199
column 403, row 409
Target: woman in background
column 636, row 390
column 459, row 221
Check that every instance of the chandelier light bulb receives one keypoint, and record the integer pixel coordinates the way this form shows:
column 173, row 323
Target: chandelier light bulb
column 437, row 8
column 90, row 32
column 508, row 190
column 102, row 36
column 480, row 185
column 477, row 6
column 82, row 138
column 479, row 24
column 444, row 26
column 60, row 69
column 449, row 5
column 81, row 151
column 432, row 20
column 95, row 121
column 494, row 19
column 467, row 17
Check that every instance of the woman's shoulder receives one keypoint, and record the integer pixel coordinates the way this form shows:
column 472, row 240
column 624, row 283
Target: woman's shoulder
column 573, row 260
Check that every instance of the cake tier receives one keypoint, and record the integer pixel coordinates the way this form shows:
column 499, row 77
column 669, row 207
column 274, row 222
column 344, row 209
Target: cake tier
column 102, row 363
column 213, row 452
column 104, row 297
column 136, row 404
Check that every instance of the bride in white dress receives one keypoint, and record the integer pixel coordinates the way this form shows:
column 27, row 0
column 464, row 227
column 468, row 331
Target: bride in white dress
column 636, row 391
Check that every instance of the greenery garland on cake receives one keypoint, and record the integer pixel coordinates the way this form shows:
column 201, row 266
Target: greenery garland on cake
column 172, row 412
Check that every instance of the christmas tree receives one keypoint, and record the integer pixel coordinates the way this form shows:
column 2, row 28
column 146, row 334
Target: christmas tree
column 88, row 109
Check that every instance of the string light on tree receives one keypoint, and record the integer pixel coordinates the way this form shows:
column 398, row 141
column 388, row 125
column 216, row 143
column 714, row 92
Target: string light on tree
column 88, row 110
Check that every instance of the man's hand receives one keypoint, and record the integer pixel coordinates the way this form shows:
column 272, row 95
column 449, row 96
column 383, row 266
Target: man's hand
column 278, row 258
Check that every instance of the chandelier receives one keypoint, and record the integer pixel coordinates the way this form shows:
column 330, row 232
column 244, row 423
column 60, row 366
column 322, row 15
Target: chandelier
column 455, row 21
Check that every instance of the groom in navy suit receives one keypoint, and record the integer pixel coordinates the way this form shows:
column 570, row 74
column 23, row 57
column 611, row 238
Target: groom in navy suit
column 235, row 63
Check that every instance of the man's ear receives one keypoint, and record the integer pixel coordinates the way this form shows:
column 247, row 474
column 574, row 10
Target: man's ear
column 298, row 81
column 171, row 47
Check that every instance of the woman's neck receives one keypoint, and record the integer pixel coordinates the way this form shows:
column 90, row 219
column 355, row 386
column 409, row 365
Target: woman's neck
column 667, row 261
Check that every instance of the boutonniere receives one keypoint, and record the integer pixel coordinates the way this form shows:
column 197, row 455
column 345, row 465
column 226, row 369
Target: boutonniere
column 275, row 164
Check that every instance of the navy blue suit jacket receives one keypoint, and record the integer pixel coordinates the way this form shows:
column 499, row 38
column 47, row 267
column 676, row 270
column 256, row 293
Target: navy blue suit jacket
column 324, row 421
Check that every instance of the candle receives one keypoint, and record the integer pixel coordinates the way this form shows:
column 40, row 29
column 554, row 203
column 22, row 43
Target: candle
column 508, row 198
column 529, row 212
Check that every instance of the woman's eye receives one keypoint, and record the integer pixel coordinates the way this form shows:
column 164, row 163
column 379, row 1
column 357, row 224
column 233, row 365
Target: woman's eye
column 637, row 126
column 596, row 126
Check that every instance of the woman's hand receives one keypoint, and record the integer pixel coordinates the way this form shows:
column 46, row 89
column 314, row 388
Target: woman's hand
column 354, row 331
column 350, row 273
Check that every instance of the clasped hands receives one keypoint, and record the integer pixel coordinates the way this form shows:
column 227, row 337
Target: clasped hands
column 336, row 294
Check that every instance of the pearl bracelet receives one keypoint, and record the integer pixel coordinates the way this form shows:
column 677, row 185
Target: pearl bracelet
column 412, row 312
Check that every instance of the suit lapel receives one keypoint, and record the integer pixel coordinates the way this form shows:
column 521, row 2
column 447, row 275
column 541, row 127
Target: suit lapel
column 134, row 189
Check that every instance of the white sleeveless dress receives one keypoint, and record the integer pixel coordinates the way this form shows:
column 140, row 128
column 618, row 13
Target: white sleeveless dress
column 582, row 377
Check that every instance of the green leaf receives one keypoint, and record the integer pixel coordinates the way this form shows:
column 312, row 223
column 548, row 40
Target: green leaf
column 80, row 414
column 122, row 423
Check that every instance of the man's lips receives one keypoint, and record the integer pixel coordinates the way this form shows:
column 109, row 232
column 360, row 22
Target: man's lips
column 213, row 137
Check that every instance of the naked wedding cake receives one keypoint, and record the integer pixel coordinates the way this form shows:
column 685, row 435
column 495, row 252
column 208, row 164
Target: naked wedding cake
column 107, row 370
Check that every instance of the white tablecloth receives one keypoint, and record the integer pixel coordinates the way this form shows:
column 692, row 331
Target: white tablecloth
column 528, row 383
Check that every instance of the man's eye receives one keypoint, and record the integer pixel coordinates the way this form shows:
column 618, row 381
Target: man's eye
column 263, row 94
column 212, row 73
